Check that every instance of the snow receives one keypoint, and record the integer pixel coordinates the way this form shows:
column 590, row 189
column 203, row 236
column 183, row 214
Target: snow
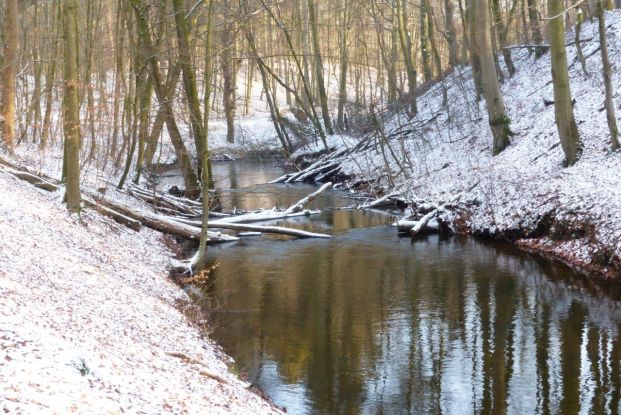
column 448, row 152
column 88, row 315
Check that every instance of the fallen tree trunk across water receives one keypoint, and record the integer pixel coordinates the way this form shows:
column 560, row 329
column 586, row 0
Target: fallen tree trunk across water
column 256, row 228
column 184, row 207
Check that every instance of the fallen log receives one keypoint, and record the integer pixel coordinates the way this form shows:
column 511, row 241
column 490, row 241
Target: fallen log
column 124, row 214
column 330, row 165
column 244, row 234
column 421, row 225
column 118, row 217
column 543, row 46
column 282, row 178
column 299, row 205
column 297, row 209
column 405, row 226
column 44, row 184
column 327, row 174
column 382, row 201
column 265, row 215
column 174, row 205
column 164, row 202
column 256, row 228
column 167, row 225
column 34, row 180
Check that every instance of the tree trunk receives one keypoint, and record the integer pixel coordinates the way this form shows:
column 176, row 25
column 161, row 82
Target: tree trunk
column 71, row 106
column 340, row 118
column 189, row 176
column 10, row 72
column 268, row 96
column 579, row 20
column 201, row 254
column 172, row 78
column 228, row 79
column 501, row 32
column 498, row 119
column 475, row 59
column 189, row 81
column 535, row 30
column 406, row 47
column 144, row 121
column 608, row 102
column 323, row 97
column 451, row 34
column 49, row 87
column 563, row 108
column 425, row 53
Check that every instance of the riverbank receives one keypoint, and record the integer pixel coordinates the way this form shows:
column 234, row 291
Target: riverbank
column 89, row 322
column 523, row 195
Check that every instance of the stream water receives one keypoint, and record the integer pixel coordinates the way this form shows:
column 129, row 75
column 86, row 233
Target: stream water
column 370, row 323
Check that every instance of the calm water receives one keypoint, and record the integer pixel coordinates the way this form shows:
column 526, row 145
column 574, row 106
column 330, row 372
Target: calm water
column 369, row 323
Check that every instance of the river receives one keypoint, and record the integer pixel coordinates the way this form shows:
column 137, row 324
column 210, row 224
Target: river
column 370, row 323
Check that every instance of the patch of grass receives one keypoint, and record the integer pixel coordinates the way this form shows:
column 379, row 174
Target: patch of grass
column 81, row 366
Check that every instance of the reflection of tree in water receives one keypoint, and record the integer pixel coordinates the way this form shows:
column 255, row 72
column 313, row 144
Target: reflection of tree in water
column 452, row 327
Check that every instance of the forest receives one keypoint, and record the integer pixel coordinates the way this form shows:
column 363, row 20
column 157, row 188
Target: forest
column 310, row 206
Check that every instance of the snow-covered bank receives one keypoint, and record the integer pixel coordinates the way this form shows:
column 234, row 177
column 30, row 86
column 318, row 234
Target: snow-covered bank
column 524, row 193
column 88, row 319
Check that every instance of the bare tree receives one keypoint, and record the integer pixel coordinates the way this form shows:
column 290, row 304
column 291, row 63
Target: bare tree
column 607, row 72
column 498, row 119
column 563, row 107
column 9, row 72
column 323, row 97
column 71, row 106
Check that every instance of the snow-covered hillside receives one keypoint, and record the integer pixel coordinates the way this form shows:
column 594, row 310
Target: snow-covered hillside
column 525, row 191
column 89, row 320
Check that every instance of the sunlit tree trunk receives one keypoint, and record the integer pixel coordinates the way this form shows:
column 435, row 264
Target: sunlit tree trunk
column 228, row 79
column 9, row 72
column 71, row 105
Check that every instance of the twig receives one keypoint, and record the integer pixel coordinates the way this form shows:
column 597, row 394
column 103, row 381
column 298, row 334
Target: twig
column 193, row 360
column 564, row 12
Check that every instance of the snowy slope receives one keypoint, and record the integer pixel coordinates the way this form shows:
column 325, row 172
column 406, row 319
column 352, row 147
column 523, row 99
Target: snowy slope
column 448, row 152
column 88, row 315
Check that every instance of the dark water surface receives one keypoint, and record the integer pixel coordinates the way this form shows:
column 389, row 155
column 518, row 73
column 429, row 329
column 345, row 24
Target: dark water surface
column 369, row 323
